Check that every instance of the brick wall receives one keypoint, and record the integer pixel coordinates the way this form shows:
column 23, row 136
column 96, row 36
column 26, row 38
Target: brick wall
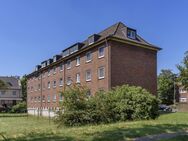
column 133, row 65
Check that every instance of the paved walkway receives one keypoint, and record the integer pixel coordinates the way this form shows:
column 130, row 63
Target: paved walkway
column 161, row 136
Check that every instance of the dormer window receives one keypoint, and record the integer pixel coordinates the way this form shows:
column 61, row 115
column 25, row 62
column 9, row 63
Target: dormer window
column 131, row 33
column 93, row 39
column 43, row 64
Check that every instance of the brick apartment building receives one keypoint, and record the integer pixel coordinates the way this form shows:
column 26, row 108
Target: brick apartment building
column 115, row 56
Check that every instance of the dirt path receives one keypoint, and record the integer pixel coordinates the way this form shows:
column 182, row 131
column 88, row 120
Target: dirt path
column 161, row 136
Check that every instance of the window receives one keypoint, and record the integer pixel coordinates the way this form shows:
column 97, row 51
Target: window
column 73, row 49
column 78, row 78
column 60, row 97
column 101, row 73
column 68, row 64
column 90, row 40
column 48, row 72
column 183, row 99
column 35, row 99
column 88, row 75
column 48, row 98
column 14, row 93
column 66, row 53
column 54, row 97
column 88, row 56
column 101, row 52
column 54, row 84
column 54, row 70
column 38, row 86
column 61, row 82
column 61, row 67
column 39, row 99
column 131, row 34
column 43, row 98
column 77, row 61
column 69, row 81
column 48, row 85
column 44, row 86
column 43, row 75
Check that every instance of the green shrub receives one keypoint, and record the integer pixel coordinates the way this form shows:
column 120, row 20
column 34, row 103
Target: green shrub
column 21, row 107
column 120, row 104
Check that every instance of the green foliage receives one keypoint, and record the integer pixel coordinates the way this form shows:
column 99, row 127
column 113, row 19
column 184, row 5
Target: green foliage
column 24, row 88
column 183, row 68
column 3, row 85
column 120, row 104
column 166, row 86
column 19, row 108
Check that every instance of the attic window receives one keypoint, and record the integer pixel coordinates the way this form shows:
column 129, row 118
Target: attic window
column 93, row 38
column 90, row 40
column 131, row 34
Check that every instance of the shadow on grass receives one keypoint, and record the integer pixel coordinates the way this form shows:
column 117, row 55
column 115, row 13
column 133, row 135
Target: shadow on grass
column 120, row 134
column 116, row 134
column 41, row 137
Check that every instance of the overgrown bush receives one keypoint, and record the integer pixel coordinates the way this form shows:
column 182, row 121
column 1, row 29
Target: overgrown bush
column 21, row 107
column 120, row 104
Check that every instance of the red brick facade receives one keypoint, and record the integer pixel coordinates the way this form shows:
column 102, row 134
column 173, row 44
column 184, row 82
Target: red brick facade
column 131, row 62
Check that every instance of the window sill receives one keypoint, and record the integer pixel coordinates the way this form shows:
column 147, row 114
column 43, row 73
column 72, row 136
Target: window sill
column 101, row 57
column 88, row 61
column 77, row 65
column 60, row 85
column 88, row 80
column 101, row 78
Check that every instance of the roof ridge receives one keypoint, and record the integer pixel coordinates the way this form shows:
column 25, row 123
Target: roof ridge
column 116, row 24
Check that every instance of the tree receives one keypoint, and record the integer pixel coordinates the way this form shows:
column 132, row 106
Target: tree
column 183, row 68
column 3, row 85
column 166, row 86
column 24, row 87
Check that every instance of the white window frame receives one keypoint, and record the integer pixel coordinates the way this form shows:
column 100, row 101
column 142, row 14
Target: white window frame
column 54, row 98
column 49, row 85
column 68, row 67
column 78, row 78
column 86, row 74
column 183, row 99
column 49, row 72
column 48, row 98
column 54, row 84
column 61, row 67
column 87, row 57
column 78, row 62
column 99, row 69
column 101, row 56
column 54, row 70
column 60, row 97
column 69, row 81
column 61, row 82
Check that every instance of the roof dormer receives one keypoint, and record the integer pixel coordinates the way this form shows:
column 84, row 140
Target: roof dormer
column 43, row 64
column 49, row 61
column 93, row 38
column 37, row 67
column 131, row 33
column 56, row 58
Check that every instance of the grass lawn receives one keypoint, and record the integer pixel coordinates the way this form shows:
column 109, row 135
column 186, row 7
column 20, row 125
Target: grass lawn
column 33, row 129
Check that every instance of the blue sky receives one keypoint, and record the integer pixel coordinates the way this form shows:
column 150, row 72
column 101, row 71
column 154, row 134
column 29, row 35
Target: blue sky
column 34, row 30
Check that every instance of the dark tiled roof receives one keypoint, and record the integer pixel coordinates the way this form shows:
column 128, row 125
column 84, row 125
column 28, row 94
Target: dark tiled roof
column 12, row 82
column 118, row 30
